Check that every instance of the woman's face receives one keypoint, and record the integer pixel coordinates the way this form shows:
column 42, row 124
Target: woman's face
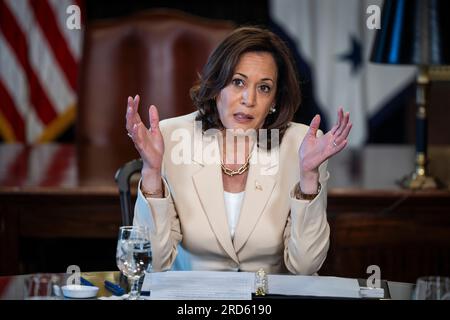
column 245, row 102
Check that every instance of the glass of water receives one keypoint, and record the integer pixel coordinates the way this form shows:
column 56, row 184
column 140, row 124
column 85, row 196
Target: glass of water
column 134, row 255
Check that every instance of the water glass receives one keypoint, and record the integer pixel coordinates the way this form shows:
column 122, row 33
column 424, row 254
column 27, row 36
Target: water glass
column 134, row 255
column 432, row 288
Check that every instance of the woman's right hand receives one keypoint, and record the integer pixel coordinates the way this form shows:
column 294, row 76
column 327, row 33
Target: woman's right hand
column 148, row 142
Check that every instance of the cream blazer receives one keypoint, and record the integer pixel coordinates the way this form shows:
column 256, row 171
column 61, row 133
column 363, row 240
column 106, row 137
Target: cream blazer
column 275, row 231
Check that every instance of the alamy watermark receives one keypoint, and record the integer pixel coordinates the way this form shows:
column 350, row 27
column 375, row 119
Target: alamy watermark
column 75, row 274
column 374, row 20
column 73, row 21
column 373, row 281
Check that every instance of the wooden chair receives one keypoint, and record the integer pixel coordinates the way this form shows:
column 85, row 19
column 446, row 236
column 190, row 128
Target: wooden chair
column 156, row 54
column 123, row 177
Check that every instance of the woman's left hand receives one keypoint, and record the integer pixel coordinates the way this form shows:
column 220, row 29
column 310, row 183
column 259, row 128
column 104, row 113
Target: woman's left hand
column 315, row 150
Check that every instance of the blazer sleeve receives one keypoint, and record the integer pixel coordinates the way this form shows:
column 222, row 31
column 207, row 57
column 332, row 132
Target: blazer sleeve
column 160, row 215
column 307, row 233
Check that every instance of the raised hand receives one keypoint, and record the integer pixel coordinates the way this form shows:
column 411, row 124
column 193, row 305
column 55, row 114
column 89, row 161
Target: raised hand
column 148, row 142
column 315, row 150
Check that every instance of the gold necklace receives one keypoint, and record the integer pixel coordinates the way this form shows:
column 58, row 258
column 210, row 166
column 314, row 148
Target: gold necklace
column 239, row 171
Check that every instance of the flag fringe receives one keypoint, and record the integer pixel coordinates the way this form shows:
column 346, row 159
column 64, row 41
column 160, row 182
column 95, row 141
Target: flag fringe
column 6, row 131
column 58, row 125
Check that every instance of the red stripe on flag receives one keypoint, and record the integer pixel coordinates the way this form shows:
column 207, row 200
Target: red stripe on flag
column 9, row 111
column 58, row 167
column 17, row 171
column 46, row 18
column 16, row 38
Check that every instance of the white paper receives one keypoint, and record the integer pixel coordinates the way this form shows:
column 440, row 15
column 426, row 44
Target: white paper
column 314, row 286
column 199, row 285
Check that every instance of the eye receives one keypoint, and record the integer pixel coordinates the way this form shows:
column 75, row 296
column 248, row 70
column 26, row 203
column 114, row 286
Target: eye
column 265, row 88
column 237, row 82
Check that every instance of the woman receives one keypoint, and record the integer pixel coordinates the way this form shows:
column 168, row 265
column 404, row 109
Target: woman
column 227, row 206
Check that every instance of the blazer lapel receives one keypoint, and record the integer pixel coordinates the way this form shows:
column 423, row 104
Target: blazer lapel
column 258, row 190
column 209, row 187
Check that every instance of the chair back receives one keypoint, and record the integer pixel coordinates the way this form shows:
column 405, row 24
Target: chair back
column 157, row 54
column 123, row 177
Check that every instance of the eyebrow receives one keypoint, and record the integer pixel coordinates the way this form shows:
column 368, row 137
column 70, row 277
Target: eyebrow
column 243, row 75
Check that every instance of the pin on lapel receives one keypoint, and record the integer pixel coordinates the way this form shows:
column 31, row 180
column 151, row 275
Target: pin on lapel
column 258, row 186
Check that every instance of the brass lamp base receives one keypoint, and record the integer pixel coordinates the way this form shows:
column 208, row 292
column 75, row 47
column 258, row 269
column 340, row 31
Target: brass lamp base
column 415, row 181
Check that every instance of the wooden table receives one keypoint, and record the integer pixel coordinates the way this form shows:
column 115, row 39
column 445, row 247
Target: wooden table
column 57, row 198
column 12, row 287
column 374, row 222
column 50, row 193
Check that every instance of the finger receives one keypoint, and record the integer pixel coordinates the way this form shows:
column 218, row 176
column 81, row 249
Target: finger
column 336, row 126
column 138, row 133
column 340, row 146
column 314, row 126
column 132, row 115
column 129, row 115
column 343, row 124
column 129, row 103
column 340, row 115
column 344, row 134
column 337, row 148
column 154, row 118
column 333, row 129
column 136, row 101
column 135, row 136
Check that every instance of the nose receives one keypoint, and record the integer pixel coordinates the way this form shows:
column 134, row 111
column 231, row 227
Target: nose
column 249, row 97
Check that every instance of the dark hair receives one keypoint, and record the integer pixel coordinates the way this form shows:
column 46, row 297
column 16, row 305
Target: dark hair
column 220, row 67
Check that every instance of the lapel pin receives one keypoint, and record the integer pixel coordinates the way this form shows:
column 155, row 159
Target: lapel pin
column 258, row 186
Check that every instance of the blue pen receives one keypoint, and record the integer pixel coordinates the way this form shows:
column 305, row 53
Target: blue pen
column 114, row 288
column 85, row 282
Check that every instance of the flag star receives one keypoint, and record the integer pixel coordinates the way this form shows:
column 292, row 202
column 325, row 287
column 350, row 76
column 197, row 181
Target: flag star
column 353, row 55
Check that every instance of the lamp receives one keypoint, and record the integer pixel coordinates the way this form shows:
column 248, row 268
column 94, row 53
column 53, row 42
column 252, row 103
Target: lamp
column 415, row 32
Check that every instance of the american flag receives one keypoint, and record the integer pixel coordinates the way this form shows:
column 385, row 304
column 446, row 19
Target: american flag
column 39, row 57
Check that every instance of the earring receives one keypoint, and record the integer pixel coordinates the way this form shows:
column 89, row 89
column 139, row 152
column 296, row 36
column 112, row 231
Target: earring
column 273, row 110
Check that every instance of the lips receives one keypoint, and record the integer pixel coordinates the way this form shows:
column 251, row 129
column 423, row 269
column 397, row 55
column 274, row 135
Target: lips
column 240, row 116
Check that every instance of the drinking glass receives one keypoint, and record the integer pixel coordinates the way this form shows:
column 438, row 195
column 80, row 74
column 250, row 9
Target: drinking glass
column 134, row 255
column 432, row 288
